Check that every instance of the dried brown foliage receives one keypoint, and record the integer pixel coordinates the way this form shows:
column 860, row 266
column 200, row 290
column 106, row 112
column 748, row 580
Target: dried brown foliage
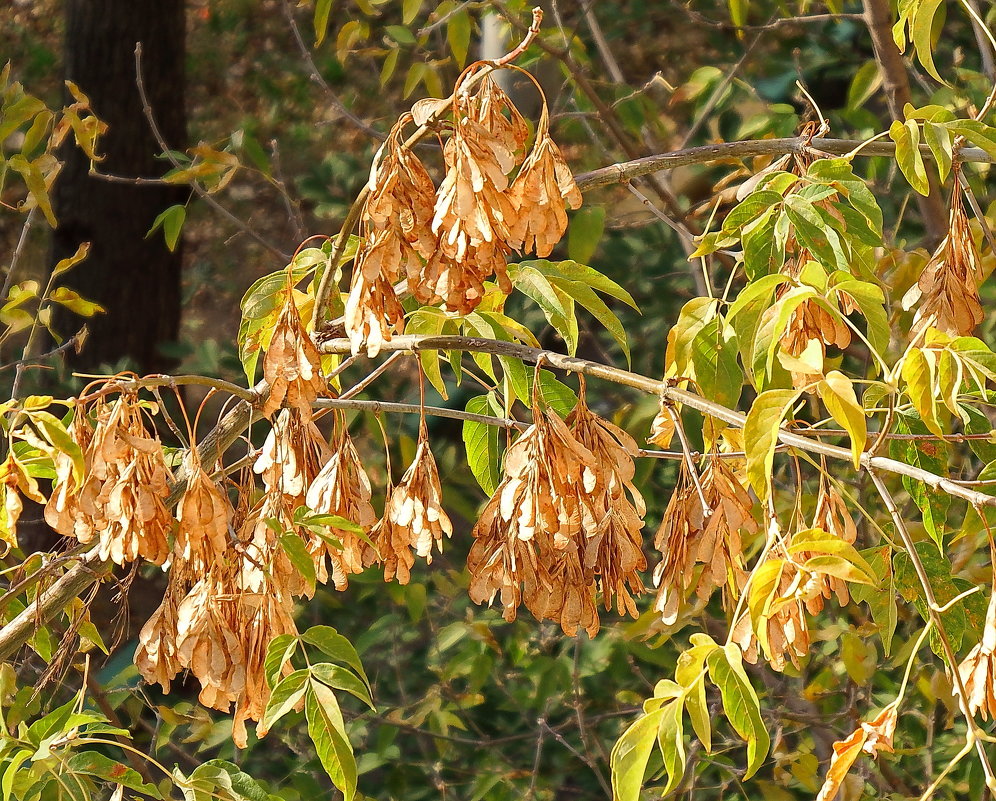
column 613, row 550
column 448, row 242
column 121, row 502
column 414, row 518
column 691, row 535
column 529, row 540
column 948, row 289
column 292, row 365
column 978, row 669
column 783, row 633
column 342, row 488
column 832, row 517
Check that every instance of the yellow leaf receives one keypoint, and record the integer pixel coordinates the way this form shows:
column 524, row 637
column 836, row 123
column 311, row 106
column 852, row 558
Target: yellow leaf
column 838, row 396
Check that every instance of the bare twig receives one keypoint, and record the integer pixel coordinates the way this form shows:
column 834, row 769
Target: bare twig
column 316, row 77
column 723, row 151
column 198, row 189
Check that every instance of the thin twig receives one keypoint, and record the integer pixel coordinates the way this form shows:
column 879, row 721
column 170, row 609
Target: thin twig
column 198, row 189
column 933, row 610
column 792, row 439
column 316, row 77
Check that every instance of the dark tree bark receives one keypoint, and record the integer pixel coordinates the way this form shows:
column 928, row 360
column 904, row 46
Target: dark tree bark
column 137, row 279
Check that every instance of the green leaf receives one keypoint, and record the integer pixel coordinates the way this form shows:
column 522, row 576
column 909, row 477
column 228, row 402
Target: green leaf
column 401, row 34
column 409, row 10
column 630, row 755
column 171, row 221
column 938, row 571
column 908, row 156
column 322, row 10
column 583, row 294
column 921, row 34
column 692, row 319
column 328, row 733
column 838, row 396
column 482, row 444
column 764, row 253
column 243, row 786
column 761, row 435
column 429, row 321
column 331, row 643
column 870, row 299
column 714, row 359
column 938, row 139
column 295, row 549
column 750, row 209
column 560, row 314
column 671, row 739
column 978, row 133
column 575, row 271
column 92, row 763
column 285, row 696
column 930, row 456
column 458, row 35
column 11, row 773
column 585, row 232
column 745, row 314
column 338, row 678
column 866, row 81
column 740, row 703
column 881, row 598
column 814, row 234
column 280, row 649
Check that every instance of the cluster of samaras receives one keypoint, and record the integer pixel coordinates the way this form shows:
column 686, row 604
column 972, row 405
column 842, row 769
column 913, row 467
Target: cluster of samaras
column 447, row 241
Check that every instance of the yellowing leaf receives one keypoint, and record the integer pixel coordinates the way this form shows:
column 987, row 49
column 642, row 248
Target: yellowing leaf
column 761, row 435
column 837, row 394
column 908, row 156
column 918, row 373
column 630, row 755
column 844, row 753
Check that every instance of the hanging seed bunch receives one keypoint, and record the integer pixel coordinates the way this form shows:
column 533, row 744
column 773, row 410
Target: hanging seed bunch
column 811, row 329
column 832, row 517
column 529, row 540
column 693, row 534
column 342, row 488
column 947, row 294
column 783, row 633
column 292, row 365
column 205, row 516
column 448, row 241
column 120, row 504
column 978, row 670
column 292, row 456
column 216, row 621
column 413, row 517
column 613, row 551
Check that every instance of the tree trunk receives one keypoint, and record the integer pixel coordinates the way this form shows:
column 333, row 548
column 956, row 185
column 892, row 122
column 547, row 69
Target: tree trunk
column 135, row 278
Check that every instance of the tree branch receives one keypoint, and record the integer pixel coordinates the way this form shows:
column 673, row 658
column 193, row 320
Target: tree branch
column 624, row 171
column 895, row 81
column 664, row 390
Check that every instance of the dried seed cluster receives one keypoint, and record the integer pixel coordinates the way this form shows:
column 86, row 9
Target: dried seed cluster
column 561, row 522
column 702, row 530
column 447, row 242
column 947, row 294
